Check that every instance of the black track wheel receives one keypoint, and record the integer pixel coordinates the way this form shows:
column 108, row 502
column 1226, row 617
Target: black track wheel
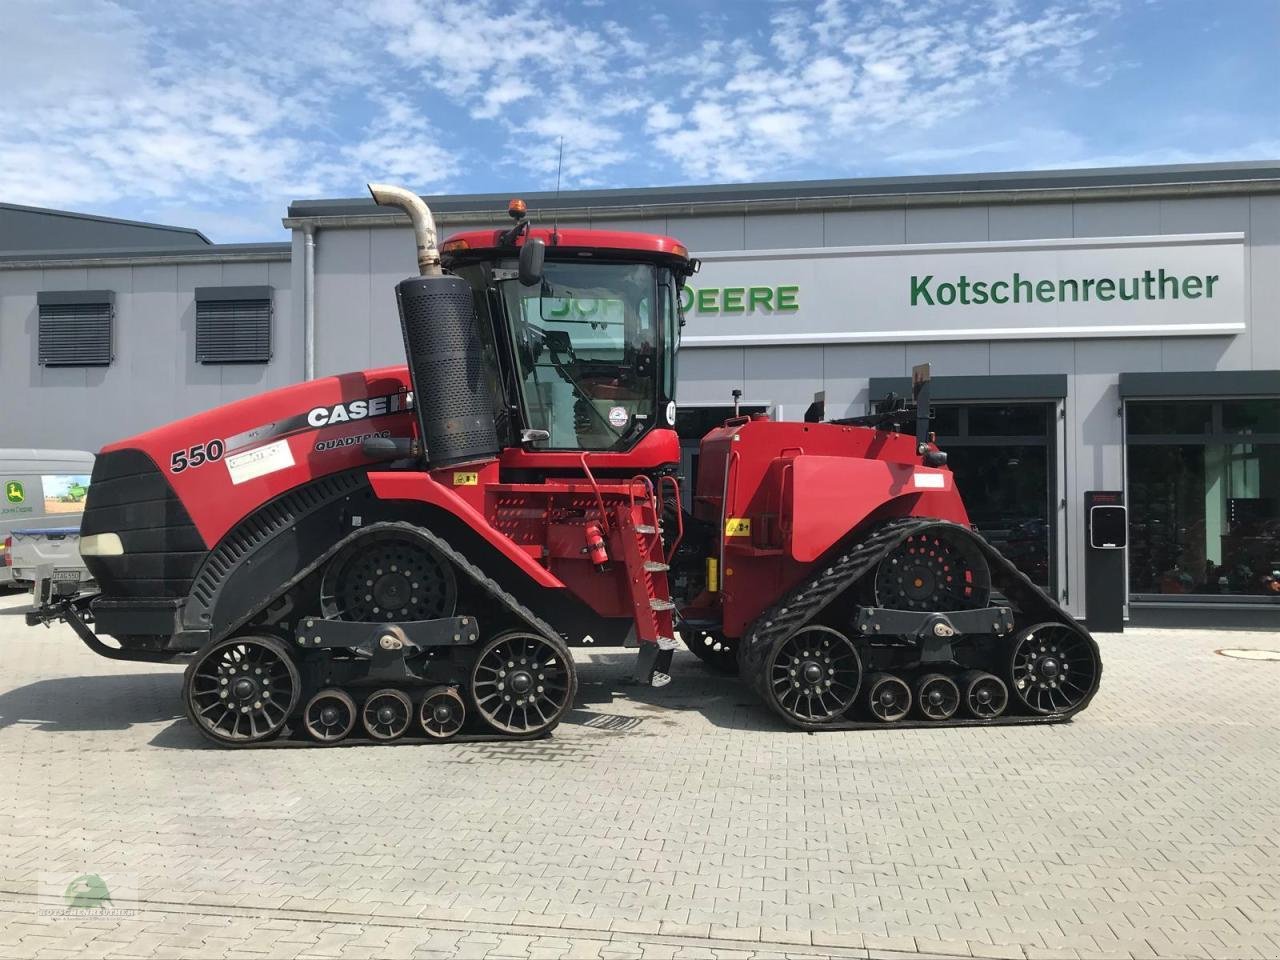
column 1055, row 668
column 888, row 697
column 241, row 690
column 939, row 568
column 388, row 576
column 386, row 715
column 441, row 713
column 938, row 696
column 522, row 683
column 329, row 715
column 716, row 651
column 984, row 694
column 811, row 677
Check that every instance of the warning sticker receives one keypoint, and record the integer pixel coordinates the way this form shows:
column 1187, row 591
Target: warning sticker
column 259, row 461
column 737, row 527
column 618, row 417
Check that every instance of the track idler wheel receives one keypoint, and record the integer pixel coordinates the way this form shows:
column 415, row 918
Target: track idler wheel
column 938, row 696
column 386, row 714
column 241, row 690
column 813, row 676
column 1055, row 668
column 442, row 713
column 888, row 697
column 388, row 576
column 939, row 568
column 523, row 683
column 985, row 695
column 329, row 715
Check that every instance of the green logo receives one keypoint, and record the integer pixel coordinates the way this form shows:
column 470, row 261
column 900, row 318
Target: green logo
column 87, row 892
column 14, row 492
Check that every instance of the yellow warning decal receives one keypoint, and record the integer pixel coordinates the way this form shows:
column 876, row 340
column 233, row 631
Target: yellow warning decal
column 737, row 527
column 713, row 575
column 461, row 479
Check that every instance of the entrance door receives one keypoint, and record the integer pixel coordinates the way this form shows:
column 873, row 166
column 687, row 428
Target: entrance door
column 1005, row 460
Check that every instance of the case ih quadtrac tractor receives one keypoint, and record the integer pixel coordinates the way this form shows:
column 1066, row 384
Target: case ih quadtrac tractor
column 411, row 551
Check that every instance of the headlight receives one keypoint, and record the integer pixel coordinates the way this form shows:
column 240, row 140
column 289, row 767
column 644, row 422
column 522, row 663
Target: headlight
column 101, row 545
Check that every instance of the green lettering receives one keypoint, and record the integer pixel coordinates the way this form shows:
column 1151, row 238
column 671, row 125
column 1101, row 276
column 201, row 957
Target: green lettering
column 1062, row 290
column 732, row 299
column 1106, row 289
column 979, row 291
column 1086, row 284
column 707, row 300
column 686, row 299
column 1191, row 288
column 920, row 288
column 787, row 298
column 1147, row 281
column 946, row 294
column 964, row 289
column 1044, row 291
column 1209, row 282
column 759, row 297
column 1004, row 298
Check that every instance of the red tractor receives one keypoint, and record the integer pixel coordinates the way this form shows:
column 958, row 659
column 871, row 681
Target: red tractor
column 412, row 550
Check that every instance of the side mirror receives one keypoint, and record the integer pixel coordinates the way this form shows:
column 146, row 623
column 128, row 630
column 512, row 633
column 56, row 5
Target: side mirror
column 532, row 253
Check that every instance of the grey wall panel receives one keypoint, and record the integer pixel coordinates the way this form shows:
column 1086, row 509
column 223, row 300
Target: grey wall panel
column 392, row 254
column 57, row 395
column 1264, row 281
column 707, row 375
column 1114, row 355
column 947, row 224
column 783, row 230
column 21, row 423
column 203, row 381
column 343, row 331
column 1033, row 356
column 847, row 369
column 855, row 228
column 1095, row 461
column 1204, row 353
column 286, row 333
column 656, row 225
column 1205, row 215
column 703, row 234
column 1119, row 218
column 783, row 375
column 1031, row 221
column 951, row 359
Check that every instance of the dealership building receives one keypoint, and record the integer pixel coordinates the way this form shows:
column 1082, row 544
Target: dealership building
column 1112, row 330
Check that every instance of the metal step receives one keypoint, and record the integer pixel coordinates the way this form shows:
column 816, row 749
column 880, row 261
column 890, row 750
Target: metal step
column 646, row 529
column 656, row 604
column 654, row 566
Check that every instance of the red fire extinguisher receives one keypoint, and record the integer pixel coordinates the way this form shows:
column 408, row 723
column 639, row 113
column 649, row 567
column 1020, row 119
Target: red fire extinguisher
column 595, row 545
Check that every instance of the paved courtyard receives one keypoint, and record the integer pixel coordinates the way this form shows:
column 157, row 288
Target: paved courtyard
column 673, row 823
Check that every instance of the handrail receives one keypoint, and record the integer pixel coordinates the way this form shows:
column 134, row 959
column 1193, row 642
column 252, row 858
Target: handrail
column 604, row 519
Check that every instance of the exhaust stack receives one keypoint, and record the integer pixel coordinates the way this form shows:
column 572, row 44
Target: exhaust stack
column 447, row 366
column 424, row 224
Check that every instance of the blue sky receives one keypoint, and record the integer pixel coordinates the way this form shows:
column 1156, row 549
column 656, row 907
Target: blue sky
column 217, row 114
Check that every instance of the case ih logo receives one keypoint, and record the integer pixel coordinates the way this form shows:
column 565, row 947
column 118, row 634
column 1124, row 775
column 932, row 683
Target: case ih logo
column 361, row 409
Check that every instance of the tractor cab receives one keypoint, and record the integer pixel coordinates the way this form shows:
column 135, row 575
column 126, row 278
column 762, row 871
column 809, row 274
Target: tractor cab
column 583, row 327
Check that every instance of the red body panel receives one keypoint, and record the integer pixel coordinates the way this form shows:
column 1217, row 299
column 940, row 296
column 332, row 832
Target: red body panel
column 278, row 429
column 655, row 449
column 785, row 493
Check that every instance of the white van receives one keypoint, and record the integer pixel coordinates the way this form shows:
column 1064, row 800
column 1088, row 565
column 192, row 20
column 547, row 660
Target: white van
column 41, row 489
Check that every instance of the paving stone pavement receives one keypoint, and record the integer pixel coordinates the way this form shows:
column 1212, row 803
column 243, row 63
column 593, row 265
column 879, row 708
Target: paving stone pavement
column 683, row 822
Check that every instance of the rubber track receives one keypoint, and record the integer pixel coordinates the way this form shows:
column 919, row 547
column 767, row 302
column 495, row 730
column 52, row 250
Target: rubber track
column 808, row 599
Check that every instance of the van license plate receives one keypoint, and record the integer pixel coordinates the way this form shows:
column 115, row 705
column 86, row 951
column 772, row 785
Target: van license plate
column 63, row 575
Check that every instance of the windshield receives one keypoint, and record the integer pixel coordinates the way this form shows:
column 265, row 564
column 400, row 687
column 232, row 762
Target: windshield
column 586, row 352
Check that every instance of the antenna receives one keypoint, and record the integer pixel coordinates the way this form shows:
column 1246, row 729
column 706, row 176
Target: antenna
column 555, row 220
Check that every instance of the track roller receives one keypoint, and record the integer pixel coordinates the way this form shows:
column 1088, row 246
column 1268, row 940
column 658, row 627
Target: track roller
column 441, row 713
column 888, row 697
column 938, row 696
column 984, row 694
column 329, row 715
column 812, row 676
column 1055, row 668
column 386, row 714
column 523, row 683
column 714, row 649
column 241, row 690
column 937, row 569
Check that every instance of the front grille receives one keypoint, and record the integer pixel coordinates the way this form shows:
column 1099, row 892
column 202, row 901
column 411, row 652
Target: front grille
column 129, row 496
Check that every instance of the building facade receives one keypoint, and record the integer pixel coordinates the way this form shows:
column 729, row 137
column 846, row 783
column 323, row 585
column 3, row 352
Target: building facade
column 1106, row 330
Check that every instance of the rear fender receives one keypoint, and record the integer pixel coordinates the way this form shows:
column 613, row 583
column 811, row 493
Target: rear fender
column 823, row 498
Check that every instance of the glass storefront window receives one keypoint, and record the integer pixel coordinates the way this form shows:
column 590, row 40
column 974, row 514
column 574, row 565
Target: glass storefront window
column 1205, row 510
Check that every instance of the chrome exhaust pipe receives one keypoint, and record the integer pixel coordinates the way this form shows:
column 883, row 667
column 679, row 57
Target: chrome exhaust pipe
column 424, row 224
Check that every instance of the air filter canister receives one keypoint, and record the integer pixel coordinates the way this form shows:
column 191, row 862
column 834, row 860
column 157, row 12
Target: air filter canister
column 447, row 366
